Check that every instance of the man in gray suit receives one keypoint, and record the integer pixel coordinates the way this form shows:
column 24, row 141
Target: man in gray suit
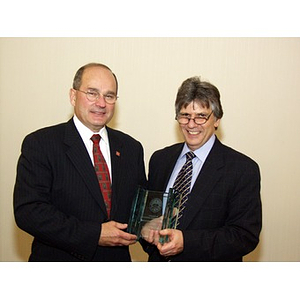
column 57, row 195
column 221, row 218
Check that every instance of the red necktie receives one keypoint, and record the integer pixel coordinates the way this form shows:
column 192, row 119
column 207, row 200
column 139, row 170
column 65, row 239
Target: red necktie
column 102, row 173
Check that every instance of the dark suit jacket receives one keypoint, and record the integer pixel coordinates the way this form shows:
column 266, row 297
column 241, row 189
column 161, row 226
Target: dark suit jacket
column 57, row 198
column 222, row 218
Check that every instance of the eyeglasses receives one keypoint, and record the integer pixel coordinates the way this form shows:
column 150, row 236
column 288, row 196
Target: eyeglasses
column 93, row 95
column 184, row 119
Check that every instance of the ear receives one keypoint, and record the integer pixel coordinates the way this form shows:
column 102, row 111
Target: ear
column 72, row 95
column 217, row 123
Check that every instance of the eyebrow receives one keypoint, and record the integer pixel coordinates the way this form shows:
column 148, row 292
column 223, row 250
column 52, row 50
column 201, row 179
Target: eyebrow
column 197, row 115
column 98, row 91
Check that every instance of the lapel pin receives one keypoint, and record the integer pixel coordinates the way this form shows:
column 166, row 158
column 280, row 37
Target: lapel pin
column 118, row 153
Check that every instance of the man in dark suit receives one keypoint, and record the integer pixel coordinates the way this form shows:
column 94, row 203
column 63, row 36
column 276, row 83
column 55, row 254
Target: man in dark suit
column 57, row 195
column 221, row 218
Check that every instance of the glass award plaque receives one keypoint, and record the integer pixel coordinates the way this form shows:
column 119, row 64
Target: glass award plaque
column 153, row 210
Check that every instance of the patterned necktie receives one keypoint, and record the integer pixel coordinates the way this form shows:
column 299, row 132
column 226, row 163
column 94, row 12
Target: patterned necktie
column 183, row 180
column 102, row 172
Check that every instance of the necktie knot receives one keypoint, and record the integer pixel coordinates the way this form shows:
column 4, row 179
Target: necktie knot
column 190, row 155
column 96, row 138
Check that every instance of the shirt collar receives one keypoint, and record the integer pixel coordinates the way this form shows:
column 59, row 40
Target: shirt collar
column 86, row 133
column 201, row 152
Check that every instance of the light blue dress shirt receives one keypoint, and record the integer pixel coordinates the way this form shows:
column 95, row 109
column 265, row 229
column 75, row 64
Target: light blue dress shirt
column 201, row 155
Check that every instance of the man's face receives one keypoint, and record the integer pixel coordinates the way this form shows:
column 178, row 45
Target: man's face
column 94, row 115
column 197, row 135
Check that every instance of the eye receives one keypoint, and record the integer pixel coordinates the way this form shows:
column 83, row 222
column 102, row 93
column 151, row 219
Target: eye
column 184, row 115
column 92, row 94
column 109, row 96
column 202, row 116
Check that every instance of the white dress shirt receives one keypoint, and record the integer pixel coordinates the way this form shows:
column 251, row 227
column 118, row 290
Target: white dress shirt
column 86, row 135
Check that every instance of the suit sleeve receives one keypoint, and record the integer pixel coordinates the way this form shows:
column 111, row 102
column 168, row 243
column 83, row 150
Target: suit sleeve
column 35, row 212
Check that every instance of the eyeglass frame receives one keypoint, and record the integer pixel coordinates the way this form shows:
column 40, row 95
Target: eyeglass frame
column 98, row 94
column 205, row 119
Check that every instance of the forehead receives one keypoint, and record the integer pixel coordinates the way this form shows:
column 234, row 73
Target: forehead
column 194, row 107
column 98, row 77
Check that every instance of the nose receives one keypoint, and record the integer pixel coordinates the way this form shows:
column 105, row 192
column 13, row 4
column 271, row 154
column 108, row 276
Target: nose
column 191, row 124
column 100, row 101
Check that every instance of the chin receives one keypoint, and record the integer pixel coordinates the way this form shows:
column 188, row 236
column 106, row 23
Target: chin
column 194, row 146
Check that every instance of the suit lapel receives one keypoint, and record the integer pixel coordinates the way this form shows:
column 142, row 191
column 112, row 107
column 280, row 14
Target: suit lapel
column 78, row 155
column 205, row 182
column 170, row 162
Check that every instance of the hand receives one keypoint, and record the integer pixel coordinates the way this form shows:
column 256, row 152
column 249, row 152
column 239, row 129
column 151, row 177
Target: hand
column 150, row 231
column 112, row 234
column 174, row 245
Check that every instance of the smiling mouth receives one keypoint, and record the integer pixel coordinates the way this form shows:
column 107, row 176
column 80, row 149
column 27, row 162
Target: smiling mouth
column 98, row 112
column 193, row 132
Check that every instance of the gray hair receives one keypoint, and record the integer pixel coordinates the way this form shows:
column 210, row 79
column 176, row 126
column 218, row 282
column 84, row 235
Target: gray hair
column 193, row 89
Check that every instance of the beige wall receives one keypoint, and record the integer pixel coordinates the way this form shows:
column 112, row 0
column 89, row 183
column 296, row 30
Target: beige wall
column 259, row 83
